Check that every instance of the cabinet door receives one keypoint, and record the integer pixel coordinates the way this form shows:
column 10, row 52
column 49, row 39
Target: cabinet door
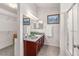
column 38, row 44
column 30, row 48
column 42, row 41
column 25, row 48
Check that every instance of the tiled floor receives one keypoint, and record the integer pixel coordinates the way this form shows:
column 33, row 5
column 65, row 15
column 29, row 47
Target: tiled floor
column 49, row 51
column 45, row 51
column 8, row 51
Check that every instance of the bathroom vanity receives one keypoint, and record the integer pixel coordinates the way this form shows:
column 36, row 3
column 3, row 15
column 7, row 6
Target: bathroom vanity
column 33, row 45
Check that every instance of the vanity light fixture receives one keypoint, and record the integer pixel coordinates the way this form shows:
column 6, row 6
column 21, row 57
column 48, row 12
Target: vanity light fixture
column 30, row 15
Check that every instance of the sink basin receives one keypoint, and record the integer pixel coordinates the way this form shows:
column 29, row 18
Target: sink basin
column 33, row 37
column 37, row 35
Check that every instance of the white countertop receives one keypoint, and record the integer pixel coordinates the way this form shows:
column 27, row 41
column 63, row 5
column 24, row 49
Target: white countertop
column 33, row 40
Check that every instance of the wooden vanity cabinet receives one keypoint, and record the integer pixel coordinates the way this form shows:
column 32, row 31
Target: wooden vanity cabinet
column 32, row 48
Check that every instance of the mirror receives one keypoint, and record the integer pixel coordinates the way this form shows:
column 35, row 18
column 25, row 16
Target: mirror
column 38, row 25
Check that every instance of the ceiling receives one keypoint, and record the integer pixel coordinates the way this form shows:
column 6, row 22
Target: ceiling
column 12, row 5
column 8, row 7
column 48, row 5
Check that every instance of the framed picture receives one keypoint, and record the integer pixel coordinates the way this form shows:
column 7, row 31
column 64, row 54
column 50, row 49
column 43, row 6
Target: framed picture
column 26, row 21
column 53, row 19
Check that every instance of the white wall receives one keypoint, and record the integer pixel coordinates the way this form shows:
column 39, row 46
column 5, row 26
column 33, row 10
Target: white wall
column 7, row 21
column 8, row 25
column 5, row 39
column 65, row 7
column 51, row 30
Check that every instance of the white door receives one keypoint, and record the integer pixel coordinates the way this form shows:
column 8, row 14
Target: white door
column 17, row 40
column 75, row 32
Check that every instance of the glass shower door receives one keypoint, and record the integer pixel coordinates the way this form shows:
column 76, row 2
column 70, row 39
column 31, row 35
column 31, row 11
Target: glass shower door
column 72, row 28
column 70, row 32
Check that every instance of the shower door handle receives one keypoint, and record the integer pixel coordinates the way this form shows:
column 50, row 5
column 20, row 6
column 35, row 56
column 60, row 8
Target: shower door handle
column 76, row 46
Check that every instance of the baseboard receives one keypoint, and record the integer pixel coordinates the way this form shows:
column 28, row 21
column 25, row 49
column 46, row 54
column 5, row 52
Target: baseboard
column 51, row 45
